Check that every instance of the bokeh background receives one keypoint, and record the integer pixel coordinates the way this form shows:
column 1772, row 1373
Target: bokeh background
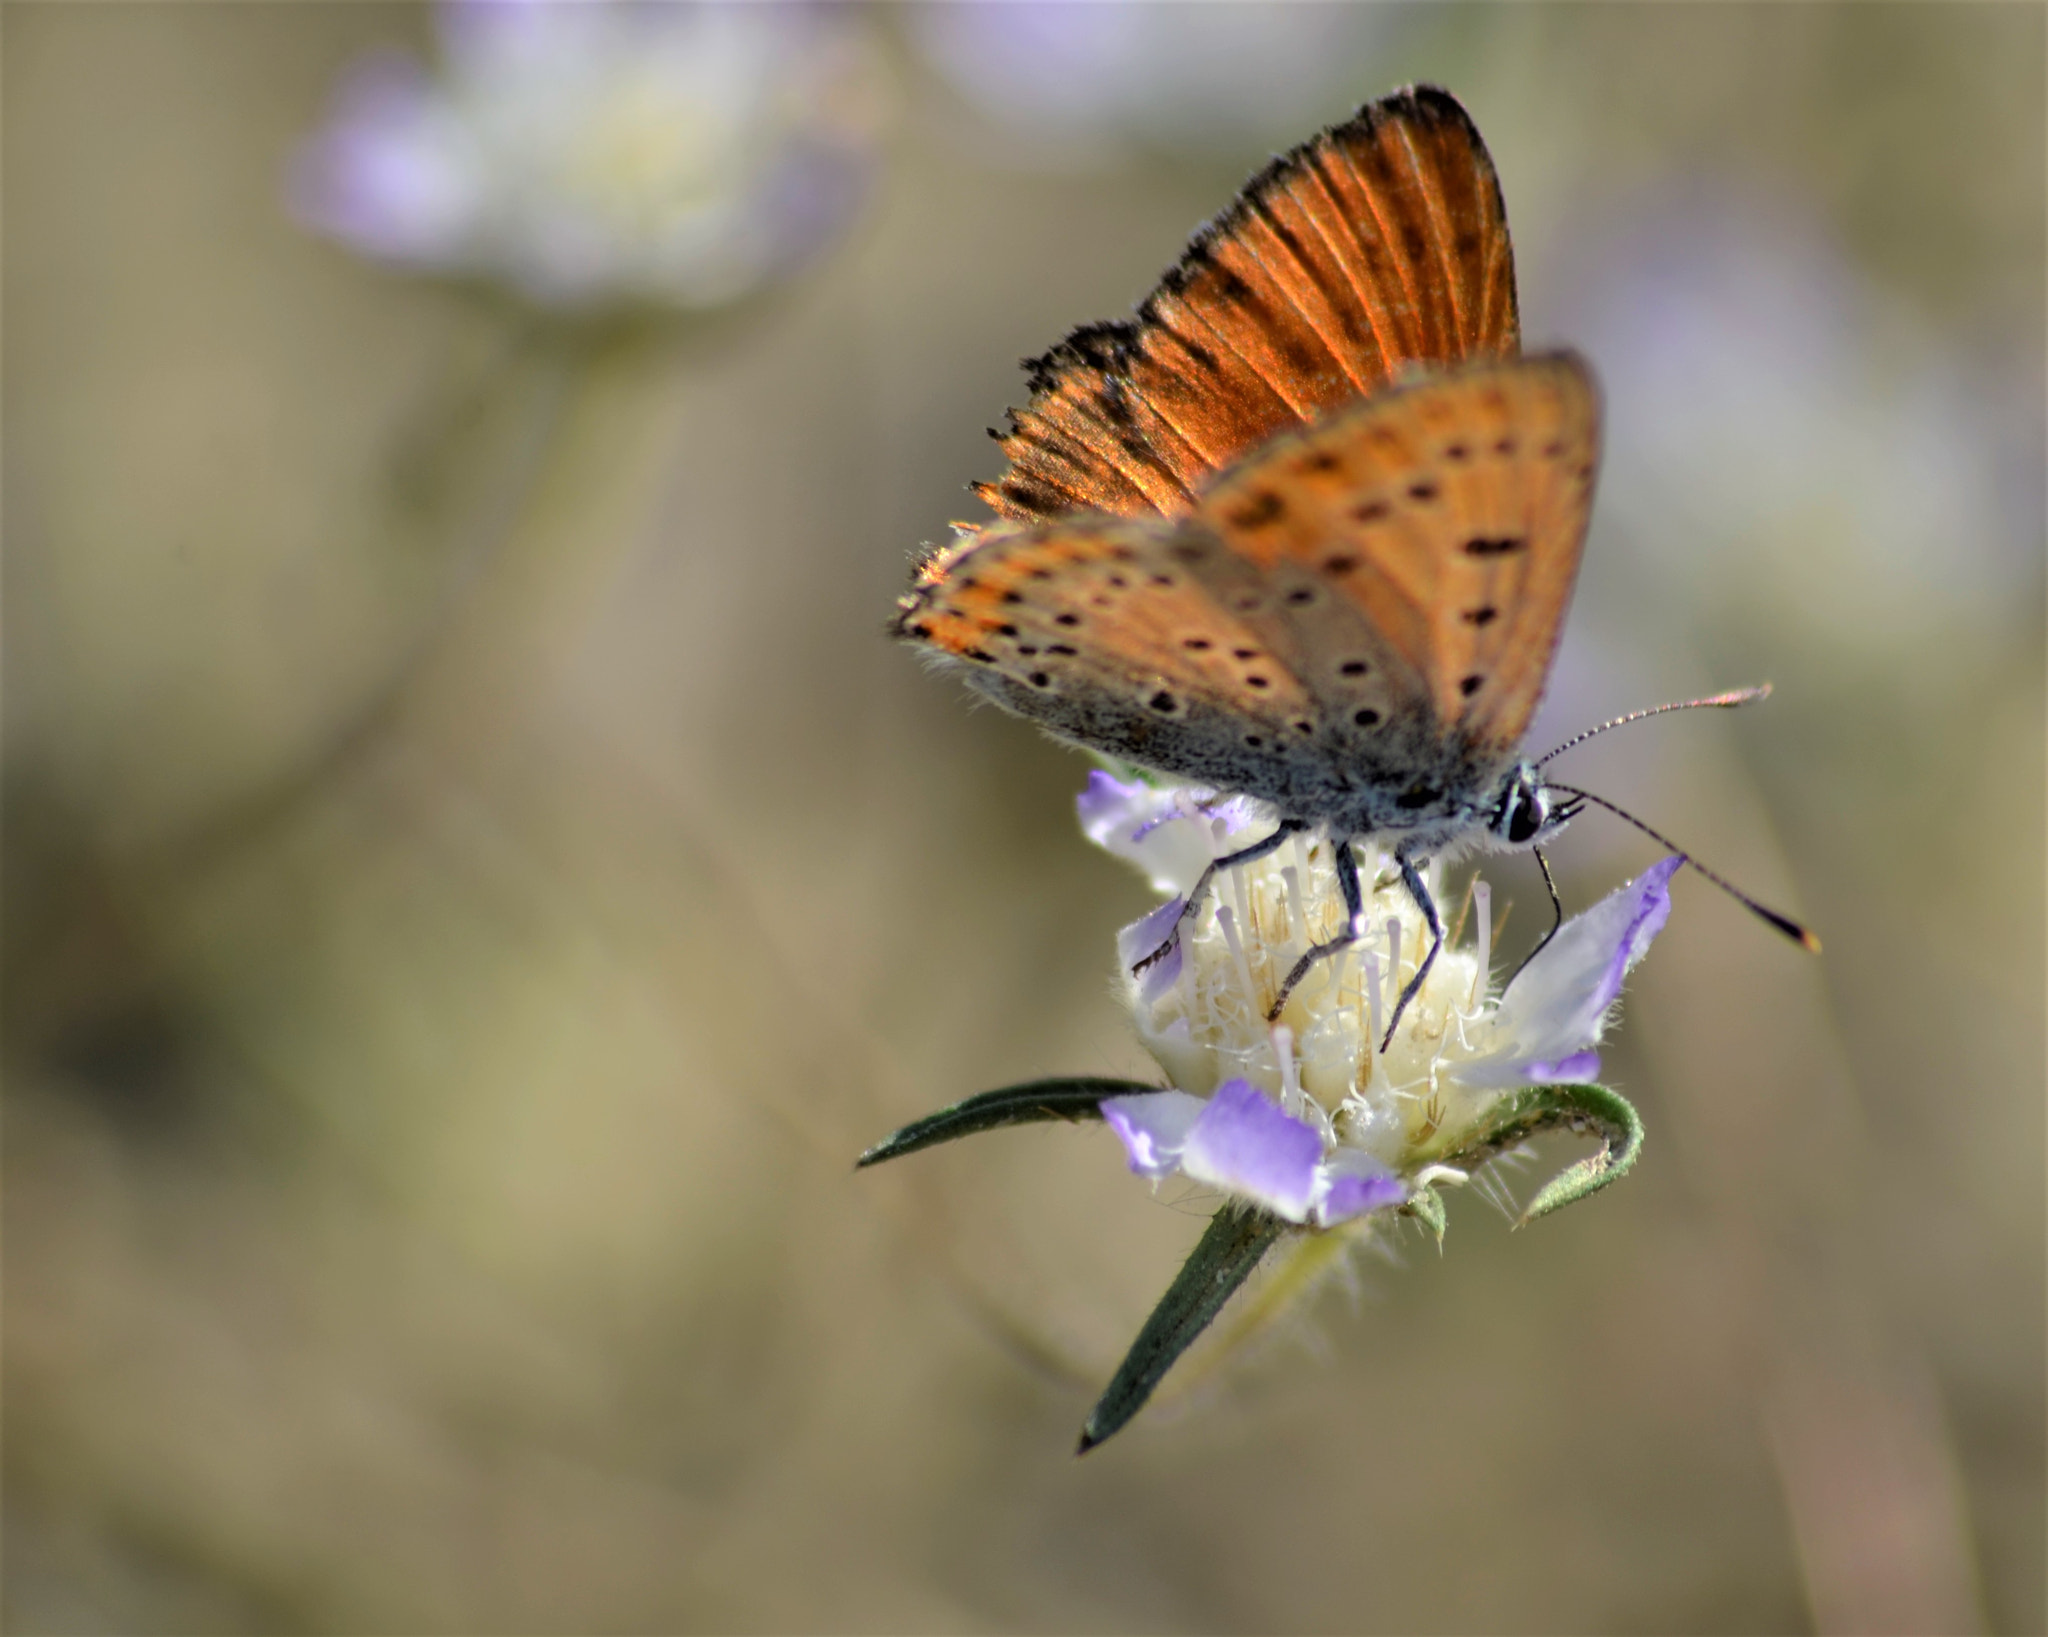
column 476, row 873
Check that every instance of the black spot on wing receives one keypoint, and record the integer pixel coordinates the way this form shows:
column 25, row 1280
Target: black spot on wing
column 1263, row 508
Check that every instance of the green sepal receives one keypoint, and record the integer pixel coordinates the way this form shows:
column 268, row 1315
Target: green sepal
column 1582, row 1109
column 1130, row 772
column 1075, row 1098
column 1426, row 1206
column 1236, row 1240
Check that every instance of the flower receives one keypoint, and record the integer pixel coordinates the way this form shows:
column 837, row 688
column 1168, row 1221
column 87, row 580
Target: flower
column 682, row 154
column 1309, row 1117
column 1055, row 75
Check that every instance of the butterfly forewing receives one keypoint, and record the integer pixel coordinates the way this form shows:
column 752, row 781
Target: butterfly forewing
column 1380, row 244
column 1449, row 516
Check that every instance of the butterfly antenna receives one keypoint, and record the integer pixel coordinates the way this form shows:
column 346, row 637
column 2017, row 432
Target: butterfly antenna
column 1718, row 701
column 1805, row 937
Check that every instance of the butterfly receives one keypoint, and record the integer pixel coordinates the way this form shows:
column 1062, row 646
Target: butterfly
column 1306, row 527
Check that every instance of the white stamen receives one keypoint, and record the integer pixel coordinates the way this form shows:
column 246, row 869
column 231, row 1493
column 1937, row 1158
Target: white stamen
column 1430, row 1175
column 1241, row 896
column 1296, row 911
column 1482, row 905
column 1334, row 988
column 1226, row 923
column 1372, row 995
column 1394, row 951
column 1291, row 1094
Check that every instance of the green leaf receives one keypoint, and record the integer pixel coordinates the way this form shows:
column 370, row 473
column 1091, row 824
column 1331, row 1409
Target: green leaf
column 1582, row 1109
column 1078, row 1098
column 1235, row 1242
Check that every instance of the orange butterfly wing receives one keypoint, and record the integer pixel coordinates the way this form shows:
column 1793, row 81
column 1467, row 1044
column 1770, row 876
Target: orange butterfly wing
column 1099, row 608
column 1380, row 244
column 1450, row 515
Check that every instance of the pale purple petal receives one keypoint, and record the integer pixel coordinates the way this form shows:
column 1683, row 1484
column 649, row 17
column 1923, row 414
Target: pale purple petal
column 1171, row 833
column 389, row 175
column 1154, row 1127
column 1578, row 1069
column 1553, row 1013
column 1236, row 812
column 1150, row 827
column 1243, row 1142
column 1353, row 1182
column 1112, row 809
column 1140, row 938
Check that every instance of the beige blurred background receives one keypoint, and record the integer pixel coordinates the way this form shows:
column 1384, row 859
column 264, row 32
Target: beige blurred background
column 476, row 874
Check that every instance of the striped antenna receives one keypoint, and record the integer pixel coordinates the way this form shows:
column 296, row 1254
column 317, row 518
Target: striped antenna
column 1716, row 701
column 1803, row 936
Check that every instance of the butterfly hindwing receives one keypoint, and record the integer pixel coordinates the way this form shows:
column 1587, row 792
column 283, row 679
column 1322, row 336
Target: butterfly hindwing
column 1102, row 630
column 1378, row 245
column 1449, row 516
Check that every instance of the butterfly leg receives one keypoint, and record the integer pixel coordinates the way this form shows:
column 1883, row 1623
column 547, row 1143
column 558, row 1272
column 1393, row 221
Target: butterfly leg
column 1354, row 914
column 1419, row 891
column 1556, row 920
column 1229, row 861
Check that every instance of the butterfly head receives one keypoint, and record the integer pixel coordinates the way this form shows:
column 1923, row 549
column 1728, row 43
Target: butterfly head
column 1524, row 812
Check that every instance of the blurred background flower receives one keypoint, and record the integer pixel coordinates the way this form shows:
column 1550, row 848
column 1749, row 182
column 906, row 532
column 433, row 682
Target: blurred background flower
column 677, row 153
column 1072, row 78
column 427, row 1202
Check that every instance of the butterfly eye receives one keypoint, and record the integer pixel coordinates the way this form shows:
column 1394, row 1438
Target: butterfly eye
column 1529, row 812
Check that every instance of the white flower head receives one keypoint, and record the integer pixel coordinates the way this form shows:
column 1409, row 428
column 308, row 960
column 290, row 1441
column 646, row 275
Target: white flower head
column 680, row 154
column 1308, row 1116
